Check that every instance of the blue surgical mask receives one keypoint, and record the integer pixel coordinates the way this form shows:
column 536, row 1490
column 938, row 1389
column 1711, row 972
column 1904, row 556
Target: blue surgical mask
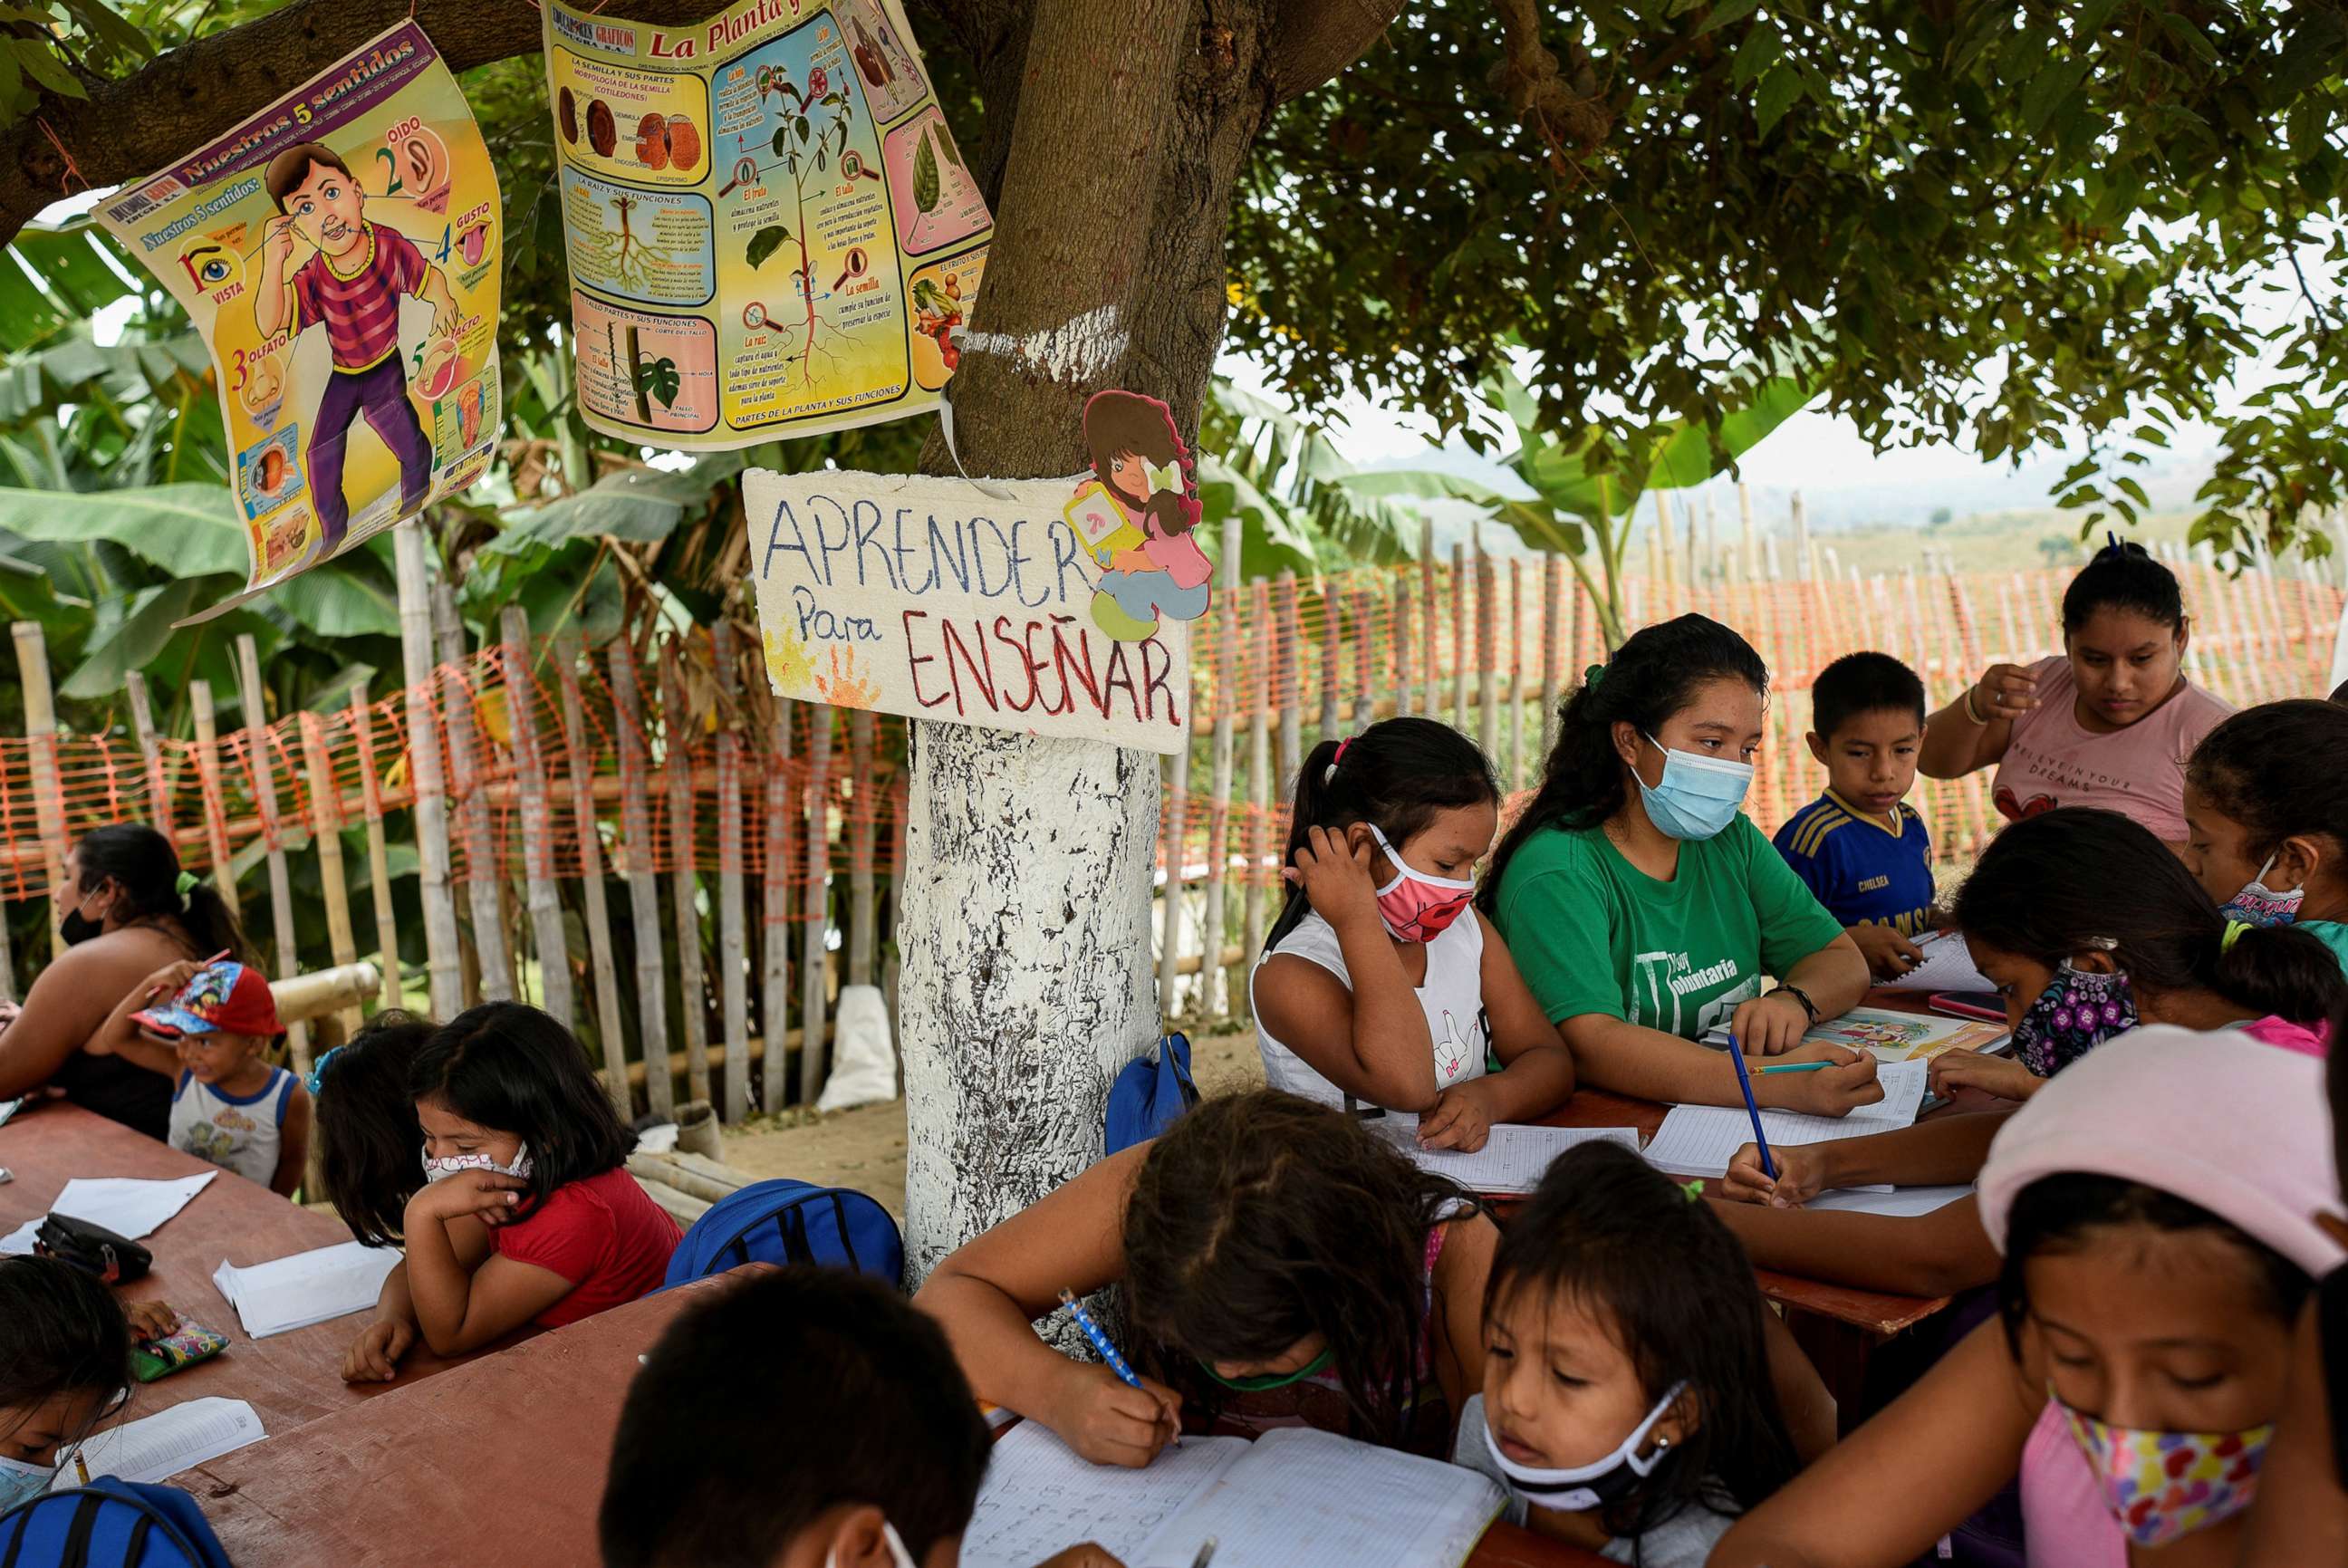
column 2259, row 904
column 1697, row 796
column 19, row 1481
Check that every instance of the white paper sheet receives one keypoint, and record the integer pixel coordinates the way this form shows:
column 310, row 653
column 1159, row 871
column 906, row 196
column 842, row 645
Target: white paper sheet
column 1292, row 1499
column 1040, row 1497
column 167, row 1442
column 1700, row 1139
column 1906, row 1201
column 1947, row 966
column 306, row 1288
column 1513, row 1159
column 129, row 1208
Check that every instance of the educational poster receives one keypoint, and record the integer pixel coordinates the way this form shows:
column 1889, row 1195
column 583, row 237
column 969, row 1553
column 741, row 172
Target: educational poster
column 339, row 251
column 936, row 599
column 771, row 232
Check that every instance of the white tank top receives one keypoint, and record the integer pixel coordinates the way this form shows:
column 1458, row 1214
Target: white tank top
column 243, row 1135
column 1452, row 997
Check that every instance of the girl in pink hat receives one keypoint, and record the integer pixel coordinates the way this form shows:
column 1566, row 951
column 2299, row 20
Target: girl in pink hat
column 2155, row 1210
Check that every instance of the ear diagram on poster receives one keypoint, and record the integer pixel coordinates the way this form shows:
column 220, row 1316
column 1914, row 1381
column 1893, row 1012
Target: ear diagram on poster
column 778, row 185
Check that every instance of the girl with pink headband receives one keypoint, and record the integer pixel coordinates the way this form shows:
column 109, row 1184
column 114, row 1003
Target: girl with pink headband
column 2155, row 1210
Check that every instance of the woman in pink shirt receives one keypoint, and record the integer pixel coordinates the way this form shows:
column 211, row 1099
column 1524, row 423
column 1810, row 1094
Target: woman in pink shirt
column 2109, row 722
column 2155, row 1207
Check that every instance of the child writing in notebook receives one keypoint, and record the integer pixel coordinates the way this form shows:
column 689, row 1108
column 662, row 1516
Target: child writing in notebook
column 1379, row 981
column 1626, row 1405
column 878, row 1465
column 208, row 1026
column 2089, row 927
column 2154, row 1209
column 527, row 1215
column 1281, row 1264
column 2267, row 832
column 1860, row 847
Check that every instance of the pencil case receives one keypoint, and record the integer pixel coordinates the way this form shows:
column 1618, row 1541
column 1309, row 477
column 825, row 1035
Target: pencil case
column 183, row 1347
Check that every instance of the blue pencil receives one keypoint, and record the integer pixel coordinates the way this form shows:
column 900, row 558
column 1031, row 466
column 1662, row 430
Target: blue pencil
column 1745, row 1082
column 1108, row 1352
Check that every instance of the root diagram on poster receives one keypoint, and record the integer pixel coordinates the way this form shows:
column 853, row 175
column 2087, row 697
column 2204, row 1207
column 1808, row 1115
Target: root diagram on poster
column 770, row 227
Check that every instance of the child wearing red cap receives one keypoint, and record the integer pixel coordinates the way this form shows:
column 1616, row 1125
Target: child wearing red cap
column 230, row 1107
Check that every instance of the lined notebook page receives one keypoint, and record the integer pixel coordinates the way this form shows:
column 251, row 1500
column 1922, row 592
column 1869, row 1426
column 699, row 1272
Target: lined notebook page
column 1305, row 1499
column 1513, row 1159
column 1040, row 1497
column 1700, row 1139
column 168, row 1442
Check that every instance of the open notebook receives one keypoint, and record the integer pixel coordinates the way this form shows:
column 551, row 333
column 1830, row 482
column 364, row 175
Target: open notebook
column 1294, row 1497
column 167, row 1442
column 1700, row 1139
column 1513, row 1159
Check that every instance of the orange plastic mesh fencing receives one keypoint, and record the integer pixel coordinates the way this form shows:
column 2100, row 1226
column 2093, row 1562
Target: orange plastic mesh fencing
column 637, row 758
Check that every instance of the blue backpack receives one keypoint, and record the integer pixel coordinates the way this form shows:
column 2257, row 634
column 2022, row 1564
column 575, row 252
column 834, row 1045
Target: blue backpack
column 786, row 1221
column 110, row 1523
column 1149, row 1093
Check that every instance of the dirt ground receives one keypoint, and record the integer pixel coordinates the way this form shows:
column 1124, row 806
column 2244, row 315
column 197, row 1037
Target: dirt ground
column 865, row 1147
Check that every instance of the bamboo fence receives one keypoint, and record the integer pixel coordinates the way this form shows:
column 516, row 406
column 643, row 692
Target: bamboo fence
column 644, row 841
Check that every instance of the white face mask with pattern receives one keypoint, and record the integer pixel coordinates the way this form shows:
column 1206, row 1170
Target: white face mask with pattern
column 447, row 1165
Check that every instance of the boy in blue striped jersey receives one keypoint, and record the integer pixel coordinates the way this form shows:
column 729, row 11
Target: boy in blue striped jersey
column 1860, row 847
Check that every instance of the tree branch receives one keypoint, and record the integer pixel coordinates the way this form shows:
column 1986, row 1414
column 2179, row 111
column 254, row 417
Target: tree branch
column 131, row 127
column 1312, row 40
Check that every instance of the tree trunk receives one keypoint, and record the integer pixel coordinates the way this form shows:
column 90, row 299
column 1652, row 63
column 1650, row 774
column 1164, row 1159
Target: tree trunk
column 1025, row 924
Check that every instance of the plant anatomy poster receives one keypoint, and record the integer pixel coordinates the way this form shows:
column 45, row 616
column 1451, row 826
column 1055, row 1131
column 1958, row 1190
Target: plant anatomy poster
column 339, row 251
column 771, row 232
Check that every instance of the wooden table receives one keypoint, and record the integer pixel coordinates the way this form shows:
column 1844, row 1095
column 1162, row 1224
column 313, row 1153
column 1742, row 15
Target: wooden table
column 288, row 1379
column 1839, row 1326
column 1877, row 1313
column 505, row 1456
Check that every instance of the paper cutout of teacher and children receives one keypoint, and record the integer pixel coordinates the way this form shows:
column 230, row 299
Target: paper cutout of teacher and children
column 1138, row 514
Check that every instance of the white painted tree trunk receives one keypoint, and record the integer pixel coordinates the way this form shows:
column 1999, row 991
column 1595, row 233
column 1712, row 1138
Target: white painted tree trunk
column 1024, row 926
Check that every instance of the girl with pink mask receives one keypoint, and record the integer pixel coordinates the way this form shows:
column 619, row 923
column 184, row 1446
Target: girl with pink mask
column 2155, row 1207
column 1379, row 983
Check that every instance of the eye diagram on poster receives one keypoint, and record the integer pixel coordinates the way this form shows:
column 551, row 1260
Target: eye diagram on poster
column 339, row 252
column 777, row 186
column 936, row 599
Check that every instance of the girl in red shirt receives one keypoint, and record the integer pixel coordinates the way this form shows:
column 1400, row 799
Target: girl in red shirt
column 528, row 1213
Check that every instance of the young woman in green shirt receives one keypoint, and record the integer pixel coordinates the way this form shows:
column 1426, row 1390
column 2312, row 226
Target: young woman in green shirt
column 1644, row 908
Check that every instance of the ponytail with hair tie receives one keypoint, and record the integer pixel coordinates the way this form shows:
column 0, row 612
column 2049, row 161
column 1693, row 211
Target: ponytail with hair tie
column 185, row 884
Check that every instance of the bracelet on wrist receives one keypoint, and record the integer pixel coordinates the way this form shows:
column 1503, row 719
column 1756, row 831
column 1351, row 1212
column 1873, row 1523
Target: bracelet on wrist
column 1798, row 994
column 1972, row 708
